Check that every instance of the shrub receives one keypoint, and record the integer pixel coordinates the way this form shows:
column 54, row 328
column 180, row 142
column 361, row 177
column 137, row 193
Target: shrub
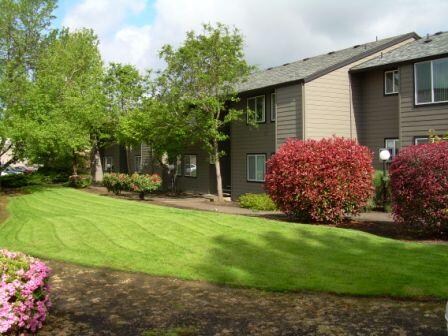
column 378, row 200
column 419, row 181
column 143, row 184
column 23, row 180
column 117, row 183
column 79, row 181
column 24, row 293
column 257, row 202
column 320, row 181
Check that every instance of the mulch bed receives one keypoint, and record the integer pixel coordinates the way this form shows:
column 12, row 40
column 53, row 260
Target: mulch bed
column 93, row 301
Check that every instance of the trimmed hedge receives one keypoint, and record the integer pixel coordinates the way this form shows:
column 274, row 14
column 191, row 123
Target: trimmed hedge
column 257, row 202
column 419, row 182
column 320, row 180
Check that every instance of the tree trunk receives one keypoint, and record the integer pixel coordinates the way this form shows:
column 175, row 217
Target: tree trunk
column 75, row 165
column 218, row 173
column 96, row 167
column 128, row 159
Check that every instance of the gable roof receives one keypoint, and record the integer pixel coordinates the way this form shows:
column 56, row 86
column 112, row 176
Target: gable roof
column 433, row 45
column 311, row 68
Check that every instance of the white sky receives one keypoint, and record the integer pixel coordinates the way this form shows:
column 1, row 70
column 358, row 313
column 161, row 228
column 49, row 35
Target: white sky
column 133, row 31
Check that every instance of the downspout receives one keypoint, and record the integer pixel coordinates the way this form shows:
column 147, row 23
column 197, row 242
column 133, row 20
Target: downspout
column 303, row 112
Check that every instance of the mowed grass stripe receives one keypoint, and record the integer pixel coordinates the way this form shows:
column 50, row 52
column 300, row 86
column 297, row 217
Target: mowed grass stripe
column 75, row 226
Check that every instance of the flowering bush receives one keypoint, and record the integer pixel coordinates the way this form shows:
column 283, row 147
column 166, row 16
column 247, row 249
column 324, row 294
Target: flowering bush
column 144, row 184
column 320, row 181
column 24, row 293
column 419, row 181
column 117, row 183
column 79, row 181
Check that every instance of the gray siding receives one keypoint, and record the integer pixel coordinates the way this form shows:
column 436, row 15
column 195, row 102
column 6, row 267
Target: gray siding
column 289, row 113
column 201, row 183
column 418, row 120
column 247, row 139
column 379, row 117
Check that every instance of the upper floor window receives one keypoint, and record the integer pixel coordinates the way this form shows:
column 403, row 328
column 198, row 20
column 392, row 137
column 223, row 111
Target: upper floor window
column 273, row 107
column 391, row 82
column 431, row 81
column 393, row 146
column 257, row 106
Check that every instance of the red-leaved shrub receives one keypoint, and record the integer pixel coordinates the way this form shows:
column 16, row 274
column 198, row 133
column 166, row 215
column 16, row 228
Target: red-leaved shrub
column 419, row 181
column 320, row 180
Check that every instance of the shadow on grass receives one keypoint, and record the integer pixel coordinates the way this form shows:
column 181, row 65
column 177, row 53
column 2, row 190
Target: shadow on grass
column 329, row 260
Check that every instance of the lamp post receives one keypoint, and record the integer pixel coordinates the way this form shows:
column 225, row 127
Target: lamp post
column 384, row 157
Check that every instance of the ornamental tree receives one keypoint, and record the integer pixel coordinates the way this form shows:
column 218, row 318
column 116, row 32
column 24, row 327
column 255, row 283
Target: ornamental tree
column 202, row 75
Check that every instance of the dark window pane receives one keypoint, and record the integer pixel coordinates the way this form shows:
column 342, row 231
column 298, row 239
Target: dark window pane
column 389, row 82
column 396, row 81
column 440, row 79
column 423, row 82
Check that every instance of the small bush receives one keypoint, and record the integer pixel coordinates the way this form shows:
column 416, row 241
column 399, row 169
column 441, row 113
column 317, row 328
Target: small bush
column 79, row 181
column 419, row 182
column 117, row 183
column 320, row 181
column 257, row 202
column 144, row 184
column 24, row 293
column 23, row 180
column 378, row 198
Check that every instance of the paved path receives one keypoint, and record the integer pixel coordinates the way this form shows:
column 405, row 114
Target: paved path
column 91, row 301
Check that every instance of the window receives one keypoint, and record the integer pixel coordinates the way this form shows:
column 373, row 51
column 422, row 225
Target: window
column 391, row 82
column 273, row 107
column 138, row 163
column 256, row 167
column 257, row 105
column 393, row 146
column 190, row 165
column 179, row 166
column 431, row 81
column 107, row 163
column 421, row 140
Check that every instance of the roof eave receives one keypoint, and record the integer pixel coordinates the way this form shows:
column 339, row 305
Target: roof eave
column 360, row 56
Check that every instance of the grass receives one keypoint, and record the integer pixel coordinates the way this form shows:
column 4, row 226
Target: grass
column 74, row 226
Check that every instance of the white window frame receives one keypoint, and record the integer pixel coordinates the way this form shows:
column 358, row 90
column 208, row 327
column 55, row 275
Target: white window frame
column 138, row 167
column 395, row 147
column 395, row 90
column 273, row 107
column 247, row 167
column 188, row 162
column 106, row 159
column 432, row 83
column 179, row 166
column 416, row 140
column 255, row 112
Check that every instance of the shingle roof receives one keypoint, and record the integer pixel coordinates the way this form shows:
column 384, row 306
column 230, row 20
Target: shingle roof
column 310, row 68
column 432, row 45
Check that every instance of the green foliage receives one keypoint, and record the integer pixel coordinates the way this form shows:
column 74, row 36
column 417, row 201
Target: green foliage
column 143, row 183
column 24, row 34
column 24, row 180
column 79, row 181
column 117, row 183
column 200, row 79
column 378, row 199
column 257, row 202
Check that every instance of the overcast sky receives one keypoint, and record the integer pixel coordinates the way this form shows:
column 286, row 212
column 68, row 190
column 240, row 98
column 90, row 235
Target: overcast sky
column 132, row 31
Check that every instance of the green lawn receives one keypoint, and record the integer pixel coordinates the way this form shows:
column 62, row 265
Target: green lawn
column 70, row 225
